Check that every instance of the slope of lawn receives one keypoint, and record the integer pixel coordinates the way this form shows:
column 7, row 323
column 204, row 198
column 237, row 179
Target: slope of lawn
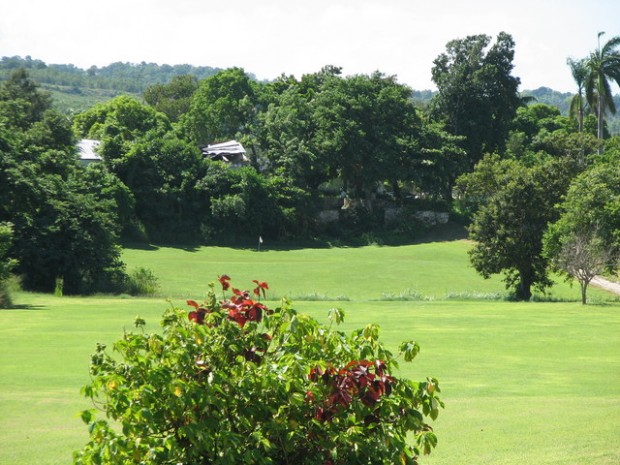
column 433, row 270
column 524, row 383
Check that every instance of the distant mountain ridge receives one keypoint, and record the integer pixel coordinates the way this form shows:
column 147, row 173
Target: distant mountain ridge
column 75, row 89
column 124, row 77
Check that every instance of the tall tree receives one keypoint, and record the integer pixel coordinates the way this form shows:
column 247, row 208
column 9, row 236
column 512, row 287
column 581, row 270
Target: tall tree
column 21, row 100
column 172, row 99
column 603, row 67
column 222, row 108
column 478, row 95
column 60, row 231
column 370, row 127
column 579, row 70
column 288, row 133
column 592, row 204
column 509, row 227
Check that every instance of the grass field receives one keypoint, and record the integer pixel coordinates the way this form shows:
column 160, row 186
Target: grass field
column 524, row 383
column 433, row 270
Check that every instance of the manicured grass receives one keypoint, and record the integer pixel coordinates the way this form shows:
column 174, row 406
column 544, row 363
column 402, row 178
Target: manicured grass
column 434, row 270
column 44, row 356
column 524, row 383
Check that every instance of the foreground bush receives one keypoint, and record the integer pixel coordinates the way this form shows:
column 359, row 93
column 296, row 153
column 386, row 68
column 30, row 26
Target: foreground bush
column 233, row 382
column 141, row 281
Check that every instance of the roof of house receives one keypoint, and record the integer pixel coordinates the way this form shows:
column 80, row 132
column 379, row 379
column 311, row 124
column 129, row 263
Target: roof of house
column 230, row 151
column 86, row 150
column 230, row 147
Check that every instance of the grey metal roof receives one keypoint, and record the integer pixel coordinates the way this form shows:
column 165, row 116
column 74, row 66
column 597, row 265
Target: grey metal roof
column 229, row 147
column 87, row 150
column 231, row 152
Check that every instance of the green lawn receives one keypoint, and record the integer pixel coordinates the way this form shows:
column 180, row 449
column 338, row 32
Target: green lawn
column 524, row 383
column 434, row 270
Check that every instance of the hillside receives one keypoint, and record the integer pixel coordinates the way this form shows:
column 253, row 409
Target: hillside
column 75, row 89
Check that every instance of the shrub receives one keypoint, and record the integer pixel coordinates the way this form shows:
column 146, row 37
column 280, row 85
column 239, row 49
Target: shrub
column 6, row 263
column 5, row 295
column 141, row 281
column 233, row 382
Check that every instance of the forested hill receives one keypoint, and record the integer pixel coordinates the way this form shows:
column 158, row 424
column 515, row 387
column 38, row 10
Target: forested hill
column 75, row 89
column 121, row 77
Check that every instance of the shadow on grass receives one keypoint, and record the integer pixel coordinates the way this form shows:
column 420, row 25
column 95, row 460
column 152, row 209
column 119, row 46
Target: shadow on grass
column 23, row 307
column 187, row 247
column 440, row 233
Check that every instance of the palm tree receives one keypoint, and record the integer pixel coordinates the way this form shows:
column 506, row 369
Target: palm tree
column 579, row 70
column 603, row 66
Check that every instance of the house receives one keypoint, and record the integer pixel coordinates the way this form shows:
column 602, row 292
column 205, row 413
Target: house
column 87, row 151
column 231, row 152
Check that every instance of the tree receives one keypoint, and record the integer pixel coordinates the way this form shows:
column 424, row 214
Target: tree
column 96, row 179
column 59, row 231
column 122, row 119
column 172, row 99
column 440, row 160
column 579, row 70
column 21, row 100
column 231, row 381
column 585, row 239
column 477, row 94
column 539, row 131
column 370, row 128
column 475, row 189
column 162, row 170
column 73, row 237
column 579, row 254
column 603, row 66
column 222, row 108
column 159, row 168
column 508, row 228
column 288, row 137
column 6, row 263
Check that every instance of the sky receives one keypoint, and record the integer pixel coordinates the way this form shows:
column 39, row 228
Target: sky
column 269, row 38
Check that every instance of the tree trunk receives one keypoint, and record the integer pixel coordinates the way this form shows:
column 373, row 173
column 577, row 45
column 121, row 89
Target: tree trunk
column 524, row 288
column 584, row 287
column 599, row 125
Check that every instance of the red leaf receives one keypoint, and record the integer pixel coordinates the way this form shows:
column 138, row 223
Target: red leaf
column 237, row 316
column 315, row 374
column 255, row 313
column 224, row 281
column 197, row 317
column 193, row 303
column 260, row 287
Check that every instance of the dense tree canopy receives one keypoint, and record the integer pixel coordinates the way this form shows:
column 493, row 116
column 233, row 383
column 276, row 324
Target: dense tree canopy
column 316, row 144
column 585, row 240
column 61, row 231
column 509, row 226
column 603, row 66
column 172, row 99
column 478, row 95
column 222, row 108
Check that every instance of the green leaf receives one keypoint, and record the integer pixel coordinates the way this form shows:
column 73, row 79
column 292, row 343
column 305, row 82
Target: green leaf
column 87, row 416
column 336, row 315
column 410, row 350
